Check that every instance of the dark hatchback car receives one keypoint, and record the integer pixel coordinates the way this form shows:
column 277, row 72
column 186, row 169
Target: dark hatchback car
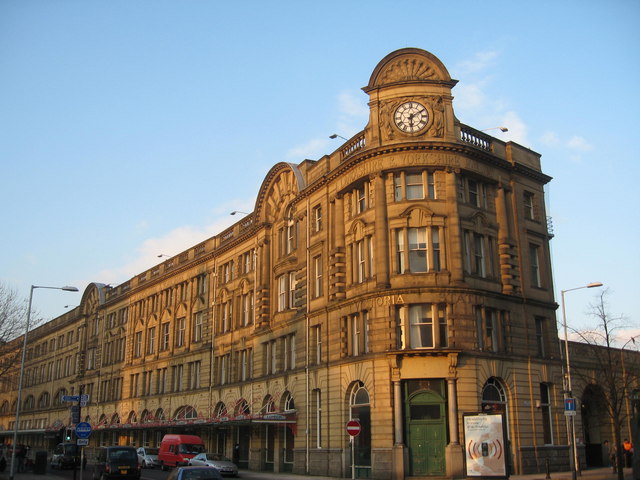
column 116, row 462
column 66, row 455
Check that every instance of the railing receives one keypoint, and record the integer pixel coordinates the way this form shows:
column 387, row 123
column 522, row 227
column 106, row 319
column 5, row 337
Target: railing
column 353, row 145
column 475, row 137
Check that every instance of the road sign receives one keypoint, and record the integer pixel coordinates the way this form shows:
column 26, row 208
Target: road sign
column 82, row 442
column 71, row 398
column 569, row 406
column 75, row 414
column 83, row 430
column 353, row 428
column 84, row 399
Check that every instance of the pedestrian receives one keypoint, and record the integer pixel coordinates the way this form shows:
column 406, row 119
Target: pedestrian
column 628, row 452
column 20, row 454
column 606, row 454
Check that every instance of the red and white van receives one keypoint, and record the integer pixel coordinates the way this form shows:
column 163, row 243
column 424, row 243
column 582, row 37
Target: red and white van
column 176, row 450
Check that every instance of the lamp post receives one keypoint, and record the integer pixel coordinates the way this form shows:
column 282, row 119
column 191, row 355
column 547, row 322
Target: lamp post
column 24, row 356
column 574, row 461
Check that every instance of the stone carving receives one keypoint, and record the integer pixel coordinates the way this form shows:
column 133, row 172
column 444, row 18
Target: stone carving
column 407, row 68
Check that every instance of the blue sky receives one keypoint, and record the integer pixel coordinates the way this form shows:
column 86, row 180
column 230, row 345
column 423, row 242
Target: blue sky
column 130, row 129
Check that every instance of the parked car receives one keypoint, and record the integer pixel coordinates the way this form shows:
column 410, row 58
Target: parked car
column 217, row 461
column 66, row 455
column 116, row 462
column 148, row 457
column 194, row 473
column 176, row 450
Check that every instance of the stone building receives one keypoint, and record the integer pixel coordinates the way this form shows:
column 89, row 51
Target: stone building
column 403, row 280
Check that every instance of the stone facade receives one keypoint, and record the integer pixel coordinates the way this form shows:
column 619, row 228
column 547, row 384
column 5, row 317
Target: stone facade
column 402, row 280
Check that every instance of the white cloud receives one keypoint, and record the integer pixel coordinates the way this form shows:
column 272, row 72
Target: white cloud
column 353, row 106
column 313, row 148
column 469, row 97
column 173, row 243
column 550, row 139
column 480, row 62
column 517, row 128
column 579, row 143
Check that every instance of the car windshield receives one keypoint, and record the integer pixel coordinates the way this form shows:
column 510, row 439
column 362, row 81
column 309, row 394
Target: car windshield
column 191, row 448
column 70, row 449
column 151, row 451
column 216, row 457
column 200, row 473
column 124, row 454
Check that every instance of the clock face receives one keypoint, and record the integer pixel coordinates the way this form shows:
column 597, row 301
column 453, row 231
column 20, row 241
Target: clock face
column 411, row 117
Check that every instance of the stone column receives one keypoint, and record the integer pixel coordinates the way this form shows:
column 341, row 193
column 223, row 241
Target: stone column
column 399, row 449
column 454, row 240
column 454, row 451
column 382, row 233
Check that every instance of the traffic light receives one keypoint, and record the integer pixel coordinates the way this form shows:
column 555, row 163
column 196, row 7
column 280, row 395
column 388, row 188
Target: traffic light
column 67, row 434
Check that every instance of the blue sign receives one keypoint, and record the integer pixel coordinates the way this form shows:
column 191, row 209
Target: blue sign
column 71, row 398
column 570, row 404
column 83, row 430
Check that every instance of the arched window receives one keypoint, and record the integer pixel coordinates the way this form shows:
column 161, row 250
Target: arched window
column 44, row 400
column 494, row 398
column 288, row 404
column 360, row 410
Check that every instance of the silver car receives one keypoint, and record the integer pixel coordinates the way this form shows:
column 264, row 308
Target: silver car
column 217, row 461
column 148, row 457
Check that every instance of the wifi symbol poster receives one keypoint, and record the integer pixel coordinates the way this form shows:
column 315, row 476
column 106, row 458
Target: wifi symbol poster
column 485, row 446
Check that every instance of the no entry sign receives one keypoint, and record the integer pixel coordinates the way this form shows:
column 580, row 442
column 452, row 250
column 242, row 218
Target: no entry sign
column 353, row 428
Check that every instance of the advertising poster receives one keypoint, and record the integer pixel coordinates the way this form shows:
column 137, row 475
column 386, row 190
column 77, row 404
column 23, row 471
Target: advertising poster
column 485, row 445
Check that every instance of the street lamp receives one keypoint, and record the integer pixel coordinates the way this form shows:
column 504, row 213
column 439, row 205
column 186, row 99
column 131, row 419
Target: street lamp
column 574, row 461
column 24, row 356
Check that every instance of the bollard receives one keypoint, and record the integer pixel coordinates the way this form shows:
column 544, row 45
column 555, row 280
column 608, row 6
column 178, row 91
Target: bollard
column 548, row 468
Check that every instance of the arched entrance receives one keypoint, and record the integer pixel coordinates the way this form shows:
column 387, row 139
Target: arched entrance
column 596, row 425
column 425, row 421
column 359, row 409
column 494, row 400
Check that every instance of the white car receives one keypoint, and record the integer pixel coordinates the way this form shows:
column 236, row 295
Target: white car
column 148, row 457
column 217, row 461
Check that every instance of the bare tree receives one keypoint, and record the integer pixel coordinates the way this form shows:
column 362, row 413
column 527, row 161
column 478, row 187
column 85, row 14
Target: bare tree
column 606, row 362
column 13, row 316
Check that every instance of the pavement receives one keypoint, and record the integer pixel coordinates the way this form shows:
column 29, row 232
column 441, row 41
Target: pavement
column 591, row 474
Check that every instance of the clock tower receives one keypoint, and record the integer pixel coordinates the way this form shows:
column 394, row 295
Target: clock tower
column 410, row 99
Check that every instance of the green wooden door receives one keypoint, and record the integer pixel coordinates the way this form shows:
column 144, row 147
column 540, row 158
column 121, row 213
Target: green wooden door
column 427, row 432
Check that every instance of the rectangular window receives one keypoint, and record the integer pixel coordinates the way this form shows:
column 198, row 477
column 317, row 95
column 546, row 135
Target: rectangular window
column 247, row 309
column 528, row 202
column 489, row 328
column 478, row 255
column 545, row 410
column 177, row 375
column 421, row 322
column 292, row 290
column 361, row 256
column 317, row 218
column 415, row 190
column 431, row 186
column 181, row 325
column 435, row 248
column 198, row 326
column 361, row 199
column 226, row 316
column 164, row 336
column 317, row 277
column 151, row 340
column 400, row 251
column 194, row 375
column 137, row 345
column 270, row 357
column 534, row 262
column 282, row 293
column 422, row 325
column 417, row 249
column 540, row 336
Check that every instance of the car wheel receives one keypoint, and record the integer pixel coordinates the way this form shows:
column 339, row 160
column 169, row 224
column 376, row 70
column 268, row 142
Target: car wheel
column 163, row 467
